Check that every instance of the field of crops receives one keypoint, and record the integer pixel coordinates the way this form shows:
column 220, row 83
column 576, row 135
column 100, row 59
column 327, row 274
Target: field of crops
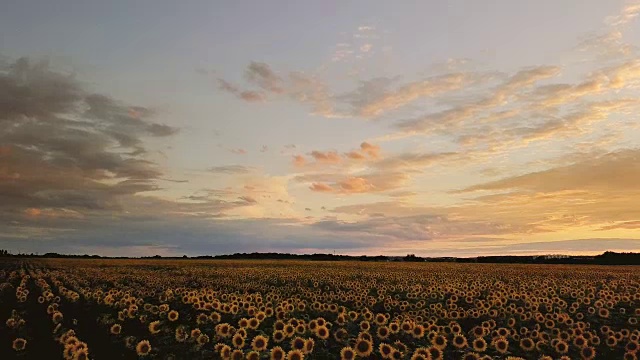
column 187, row 309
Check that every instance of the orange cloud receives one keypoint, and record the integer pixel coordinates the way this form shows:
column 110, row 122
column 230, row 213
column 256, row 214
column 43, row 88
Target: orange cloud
column 356, row 185
column 621, row 75
column 370, row 149
column 355, row 155
column 367, row 150
column 33, row 212
column 299, row 161
column 321, row 187
column 326, row 157
column 635, row 224
column 375, row 182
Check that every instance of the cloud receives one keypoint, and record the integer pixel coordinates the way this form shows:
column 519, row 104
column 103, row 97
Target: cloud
column 68, row 150
column 410, row 92
column 299, row 161
column 238, row 151
column 246, row 95
column 608, row 45
column 629, row 12
column 634, row 224
column 372, row 182
column 626, row 74
column 593, row 193
column 261, row 75
column 619, row 170
column 371, row 99
column 231, row 169
column 367, row 151
column 248, row 199
column 320, row 187
column 325, row 157
column 451, row 119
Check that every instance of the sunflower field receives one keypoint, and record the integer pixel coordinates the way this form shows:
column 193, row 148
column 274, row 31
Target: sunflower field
column 262, row 309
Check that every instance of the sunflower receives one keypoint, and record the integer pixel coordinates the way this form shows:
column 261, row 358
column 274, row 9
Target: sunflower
column 290, row 330
column 417, row 332
column 396, row 355
column 116, row 329
column 57, row 317
column 478, row 331
column 202, row 339
column 470, row 356
column 385, row 350
column 253, row 323
column 129, row 341
column 394, row 327
column 366, row 336
column 435, row 353
column 364, row 325
column 295, row 355
column 143, row 348
column 237, row 354
column 253, row 355
column 277, row 353
column 340, row 335
column 297, row 343
column 459, row 341
column 322, row 332
column 347, row 353
column 215, row 317
column 278, row 336
column 68, row 352
column 82, row 354
column 382, row 332
column 630, row 356
column 588, row 353
column 400, row 346
column 406, row 326
column 278, row 325
column 603, row 313
column 527, row 344
column 19, row 344
column 363, row 347
column 259, row 343
column 181, row 334
column 238, row 341
column 479, row 344
column 308, row 346
column 380, row 319
column 501, row 344
column 440, row 342
column 173, row 315
column 222, row 330
column 154, row 327
column 561, row 347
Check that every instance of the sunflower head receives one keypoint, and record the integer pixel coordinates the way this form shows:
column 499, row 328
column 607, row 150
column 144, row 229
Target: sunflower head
column 143, row 348
column 347, row 353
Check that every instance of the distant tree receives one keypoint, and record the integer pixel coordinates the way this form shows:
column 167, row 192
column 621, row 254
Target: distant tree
column 412, row 257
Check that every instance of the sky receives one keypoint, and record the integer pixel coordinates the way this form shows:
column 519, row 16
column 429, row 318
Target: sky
column 458, row 128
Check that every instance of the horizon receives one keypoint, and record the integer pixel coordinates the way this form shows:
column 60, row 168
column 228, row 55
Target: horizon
column 240, row 254
column 362, row 128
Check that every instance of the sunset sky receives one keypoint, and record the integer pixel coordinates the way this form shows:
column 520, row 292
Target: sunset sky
column 437, row 128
